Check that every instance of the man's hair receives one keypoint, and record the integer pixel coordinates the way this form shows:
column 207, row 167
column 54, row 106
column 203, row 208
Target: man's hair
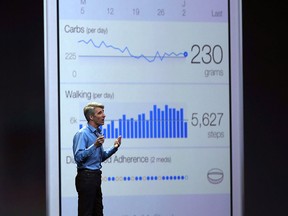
column 89, row 109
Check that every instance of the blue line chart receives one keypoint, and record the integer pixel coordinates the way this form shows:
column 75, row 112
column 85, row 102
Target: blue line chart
column 126, row 50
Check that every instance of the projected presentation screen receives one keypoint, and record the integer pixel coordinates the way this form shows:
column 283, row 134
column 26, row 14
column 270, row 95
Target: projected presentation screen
column 163, row 70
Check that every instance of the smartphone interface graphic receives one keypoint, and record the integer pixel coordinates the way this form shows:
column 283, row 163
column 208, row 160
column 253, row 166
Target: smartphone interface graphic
column 166, row 73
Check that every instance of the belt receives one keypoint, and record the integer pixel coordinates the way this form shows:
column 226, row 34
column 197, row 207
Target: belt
column 89, row 171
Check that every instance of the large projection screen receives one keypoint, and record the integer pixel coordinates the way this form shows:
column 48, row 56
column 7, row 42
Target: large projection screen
column 170, row 76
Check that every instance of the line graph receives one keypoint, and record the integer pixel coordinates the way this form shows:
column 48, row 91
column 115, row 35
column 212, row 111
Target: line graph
column 129, row 54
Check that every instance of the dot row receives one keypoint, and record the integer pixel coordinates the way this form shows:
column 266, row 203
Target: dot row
column 145, row 178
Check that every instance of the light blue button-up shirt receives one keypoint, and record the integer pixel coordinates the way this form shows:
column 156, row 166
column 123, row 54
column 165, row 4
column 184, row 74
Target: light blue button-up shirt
column 86, row 154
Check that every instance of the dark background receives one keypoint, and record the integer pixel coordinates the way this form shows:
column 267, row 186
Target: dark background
column 22, row 127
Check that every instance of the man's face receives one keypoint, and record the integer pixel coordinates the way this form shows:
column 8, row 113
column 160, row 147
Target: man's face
column 99, row 116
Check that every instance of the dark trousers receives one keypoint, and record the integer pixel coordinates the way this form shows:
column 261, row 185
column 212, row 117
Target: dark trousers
column 88, row 186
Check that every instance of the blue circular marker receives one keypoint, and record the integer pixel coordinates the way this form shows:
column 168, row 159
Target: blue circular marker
column 185, row 54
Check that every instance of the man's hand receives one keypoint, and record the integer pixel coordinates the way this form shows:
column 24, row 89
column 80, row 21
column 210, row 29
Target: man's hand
column 117, row 142
column 99, row 141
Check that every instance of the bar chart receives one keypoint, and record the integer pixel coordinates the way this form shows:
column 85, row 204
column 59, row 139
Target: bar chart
column 166, row 122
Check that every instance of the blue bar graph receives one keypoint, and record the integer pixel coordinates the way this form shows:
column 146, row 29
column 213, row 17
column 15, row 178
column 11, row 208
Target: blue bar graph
column 162, row 123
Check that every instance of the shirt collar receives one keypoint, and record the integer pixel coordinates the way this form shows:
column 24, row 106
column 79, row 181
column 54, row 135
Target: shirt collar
column 93, row 129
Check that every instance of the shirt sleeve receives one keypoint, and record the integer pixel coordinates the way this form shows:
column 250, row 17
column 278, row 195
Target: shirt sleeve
column 108, row 153
column 82, row 149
